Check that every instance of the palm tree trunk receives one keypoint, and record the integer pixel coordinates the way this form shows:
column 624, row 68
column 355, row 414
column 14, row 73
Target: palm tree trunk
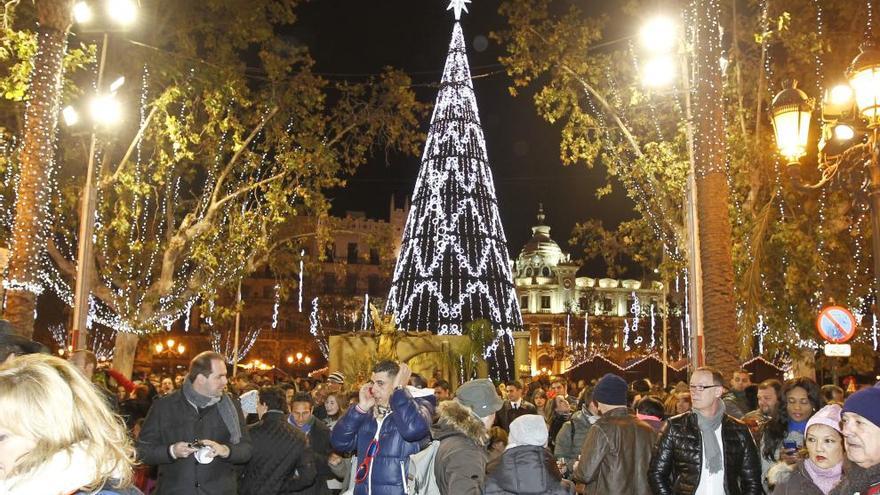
column 37, row 162
column 719, row 306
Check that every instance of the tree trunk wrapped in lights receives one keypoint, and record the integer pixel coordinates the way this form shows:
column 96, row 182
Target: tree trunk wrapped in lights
column 37, row 164
column 719, row 306
column 453, row 266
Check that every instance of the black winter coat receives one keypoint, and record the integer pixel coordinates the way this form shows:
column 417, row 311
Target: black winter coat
column 319, row 450
column 678, row 458
column 282, row 462
column 172, row 419
column 525, row 470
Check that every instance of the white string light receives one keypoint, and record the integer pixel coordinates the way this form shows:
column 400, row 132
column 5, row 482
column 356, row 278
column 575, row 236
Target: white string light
column 302, row 255
column 276, row 306
column 453, row 267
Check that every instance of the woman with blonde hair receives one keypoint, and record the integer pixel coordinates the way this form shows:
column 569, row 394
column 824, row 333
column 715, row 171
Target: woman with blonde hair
column 58, row 435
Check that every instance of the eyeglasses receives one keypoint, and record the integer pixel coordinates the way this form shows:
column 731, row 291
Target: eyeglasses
column 364, row 467
column 700, row 388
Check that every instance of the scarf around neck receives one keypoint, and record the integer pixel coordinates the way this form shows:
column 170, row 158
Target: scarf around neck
column 824, row 478
column 227, row 410
column 711, row 448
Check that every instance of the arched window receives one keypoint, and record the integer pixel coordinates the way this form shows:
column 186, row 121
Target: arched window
column 529, row 272
column 545, row 272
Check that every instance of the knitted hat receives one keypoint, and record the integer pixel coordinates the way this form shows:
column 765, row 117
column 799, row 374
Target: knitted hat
column 828, row 416
column 480, row 396
column 336, row 377
column 528, row 429
column 610, row 390
column 865, row 403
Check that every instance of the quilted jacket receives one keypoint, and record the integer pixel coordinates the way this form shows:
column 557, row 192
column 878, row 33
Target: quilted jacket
column 678, row 458
column 525, row 470
column 401, row 434
column 281, row 462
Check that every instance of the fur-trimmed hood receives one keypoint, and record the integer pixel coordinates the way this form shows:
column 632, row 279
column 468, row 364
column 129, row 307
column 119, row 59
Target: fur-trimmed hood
column 780, row 473
column 453, row 418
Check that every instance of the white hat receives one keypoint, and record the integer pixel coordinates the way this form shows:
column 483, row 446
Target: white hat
column 528, row 429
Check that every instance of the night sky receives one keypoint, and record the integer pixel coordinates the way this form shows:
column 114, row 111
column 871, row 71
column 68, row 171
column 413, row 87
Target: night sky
column 351, row 39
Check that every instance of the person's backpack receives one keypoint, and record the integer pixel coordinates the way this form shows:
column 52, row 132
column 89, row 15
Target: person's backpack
column 420, row 479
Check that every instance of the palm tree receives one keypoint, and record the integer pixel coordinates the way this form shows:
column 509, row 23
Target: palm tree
column 37, row 159
column 719, row 306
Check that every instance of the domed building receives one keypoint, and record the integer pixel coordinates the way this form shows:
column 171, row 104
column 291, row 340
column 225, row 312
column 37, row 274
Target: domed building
column 569, row 317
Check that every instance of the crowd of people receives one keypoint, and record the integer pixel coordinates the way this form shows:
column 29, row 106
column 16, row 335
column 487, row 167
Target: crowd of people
column 64, row 431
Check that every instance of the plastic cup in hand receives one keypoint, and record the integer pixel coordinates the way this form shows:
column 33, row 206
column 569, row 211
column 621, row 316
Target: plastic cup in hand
column 203, row 455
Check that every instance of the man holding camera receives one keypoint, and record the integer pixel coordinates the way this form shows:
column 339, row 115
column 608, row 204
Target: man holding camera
column 196, row 434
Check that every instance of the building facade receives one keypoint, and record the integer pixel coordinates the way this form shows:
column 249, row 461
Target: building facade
column 339, row 276
column 569, row 317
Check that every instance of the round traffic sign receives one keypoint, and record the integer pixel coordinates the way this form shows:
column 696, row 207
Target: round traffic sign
column 836, row 324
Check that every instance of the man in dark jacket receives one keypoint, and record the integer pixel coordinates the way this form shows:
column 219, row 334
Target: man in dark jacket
column 860, row 425
column 197, row 419
column 318, row 434
column 705, row 451
column 281, row 463
column 514, row 407
column 463, row 430
column 617, row 450
column 385, row 427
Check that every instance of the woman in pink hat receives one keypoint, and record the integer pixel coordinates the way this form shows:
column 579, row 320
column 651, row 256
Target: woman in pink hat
column 822, row 469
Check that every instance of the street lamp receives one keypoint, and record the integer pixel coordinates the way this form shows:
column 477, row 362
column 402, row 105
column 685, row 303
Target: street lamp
column 662, row 38
column 791, row 113
column 298, row 359
column 850, row 141
column 864, row 77
column 105, row 110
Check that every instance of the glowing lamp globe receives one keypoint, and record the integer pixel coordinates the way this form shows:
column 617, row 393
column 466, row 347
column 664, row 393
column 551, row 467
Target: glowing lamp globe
column 838, row 101
column 659, row 71
column 659, row 35
column 82, row 13
column 791, row 112
column 123, row 12
column 864, row 77
column 105, row 110
column 843, row 132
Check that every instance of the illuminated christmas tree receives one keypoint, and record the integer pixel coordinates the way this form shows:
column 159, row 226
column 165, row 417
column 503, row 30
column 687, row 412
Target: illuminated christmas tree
column 454, row 266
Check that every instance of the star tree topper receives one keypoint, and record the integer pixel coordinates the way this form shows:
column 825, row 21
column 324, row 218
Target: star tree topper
column 457, row 6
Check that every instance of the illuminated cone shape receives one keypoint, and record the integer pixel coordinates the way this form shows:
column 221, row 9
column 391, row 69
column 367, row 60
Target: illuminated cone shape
column 454, row 266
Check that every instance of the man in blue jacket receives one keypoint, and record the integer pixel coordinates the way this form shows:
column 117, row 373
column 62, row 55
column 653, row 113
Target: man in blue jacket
column 386, row 426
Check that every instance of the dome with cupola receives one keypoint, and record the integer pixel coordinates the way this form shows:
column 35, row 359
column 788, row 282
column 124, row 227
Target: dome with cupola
column 541, row 254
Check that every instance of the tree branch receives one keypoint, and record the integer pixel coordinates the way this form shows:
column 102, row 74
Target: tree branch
column 109, row 179
column 226, row 170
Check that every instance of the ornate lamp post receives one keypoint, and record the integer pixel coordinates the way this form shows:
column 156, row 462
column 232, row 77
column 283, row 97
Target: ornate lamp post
column 849, row 142
column 168, row 351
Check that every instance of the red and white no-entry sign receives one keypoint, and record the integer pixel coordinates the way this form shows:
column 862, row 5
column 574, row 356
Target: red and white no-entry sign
column 836, row 324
